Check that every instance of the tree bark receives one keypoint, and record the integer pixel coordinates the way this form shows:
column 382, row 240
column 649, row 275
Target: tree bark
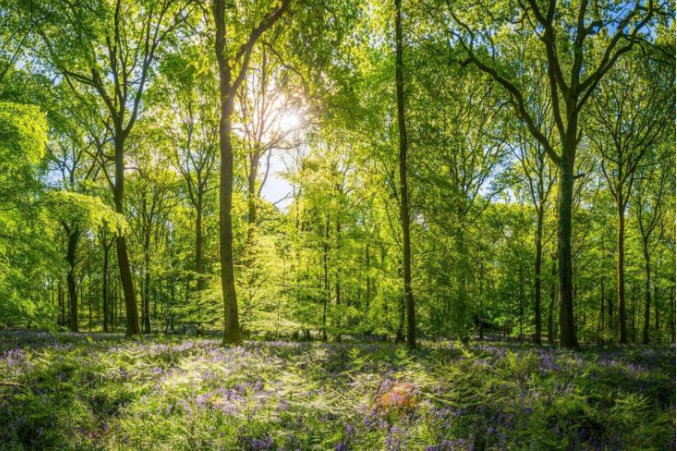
column 325, row 257
column 622, row 318
column 71, row 256
column 537, row 269
column 146, row 284
column 404, row 191
column 647, row 291
column 230, row 309
column 337, row 280
column 199, row 265
column 104, row 277
column 551, row 307
column 126, row 278
column 566, row 191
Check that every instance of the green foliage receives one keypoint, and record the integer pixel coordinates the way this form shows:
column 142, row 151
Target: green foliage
column 70, row 392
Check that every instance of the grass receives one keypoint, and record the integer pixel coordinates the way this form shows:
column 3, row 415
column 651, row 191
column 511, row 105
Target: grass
column 76, row 391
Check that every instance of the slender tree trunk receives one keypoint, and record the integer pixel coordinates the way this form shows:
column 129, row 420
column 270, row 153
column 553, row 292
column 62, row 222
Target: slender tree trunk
column 62, row 304
column 199, row 265
column 126, row 278
column 104, row 277
column 404, row 191
column 656, row 297
column 325, row 258
column 71, row 257
column 252, row 200
column 481, row 315
column 537, row 271
column 622, row 318
column 647, row 291
column 672, row 314
column 602, row 308
column 368, row 288
column 146, row 285
column 551, row 307
column 338, row 279
column 566, row 192
column 521, row 302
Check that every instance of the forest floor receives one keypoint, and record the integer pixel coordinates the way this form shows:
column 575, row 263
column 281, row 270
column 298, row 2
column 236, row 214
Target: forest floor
column 81, row 391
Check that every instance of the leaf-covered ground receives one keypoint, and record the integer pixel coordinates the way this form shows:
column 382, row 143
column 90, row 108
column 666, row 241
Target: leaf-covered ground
column 74, row 391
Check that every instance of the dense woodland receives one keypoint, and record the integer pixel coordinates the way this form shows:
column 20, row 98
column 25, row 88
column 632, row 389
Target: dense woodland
column 337, row 169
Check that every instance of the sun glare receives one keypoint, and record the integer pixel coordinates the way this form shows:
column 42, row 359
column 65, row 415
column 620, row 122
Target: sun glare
column 290, row 121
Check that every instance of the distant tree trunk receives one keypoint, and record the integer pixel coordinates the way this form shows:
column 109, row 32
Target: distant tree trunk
column 338, row 279
column 146, row 285
column 104, row 294
column 551, row 307
column 602, row 308
column 368, row 289
column 199, row 265
column 647, row 291
column 602, row 305
column 481, row 315
column 126, row 278
column 622, row 318
column 62, row 305
column 537, row 271
column 252, row 200
column 656, row 296
column 325, row 258
column 71, row 258
column 404, row 191
column 672, row 314
column 91, row 299
column 521, row 301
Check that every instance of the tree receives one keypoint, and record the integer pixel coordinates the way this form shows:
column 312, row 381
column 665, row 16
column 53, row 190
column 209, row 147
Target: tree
column 112, row 56
column 580, row 48
column 627, row 124
column 652, row 185
column 191, row 127
column 404, row 189
column 540, row 177
column 233, row 62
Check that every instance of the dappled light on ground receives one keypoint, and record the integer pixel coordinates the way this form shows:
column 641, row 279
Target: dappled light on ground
column 75, row 391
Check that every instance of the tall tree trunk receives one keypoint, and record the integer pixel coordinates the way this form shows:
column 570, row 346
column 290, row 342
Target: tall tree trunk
column 656, row 297
column 199, row 265
column 566, row 192
column 228, row 89
column 647, row 291
column 230, row 310
column 126, row 278
column 62, row 304
column 325, row 258
column 672, row 314
column 521, row 302
column 368, row 288
column 537, row 271
column 622, row 318
column 71, row 256
column 481, row 315
column 146, row 285
column 602, row 308
column 404, row 192
column 338, row 279
column 104, row 278
column 252, row 200
column 551, row 307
